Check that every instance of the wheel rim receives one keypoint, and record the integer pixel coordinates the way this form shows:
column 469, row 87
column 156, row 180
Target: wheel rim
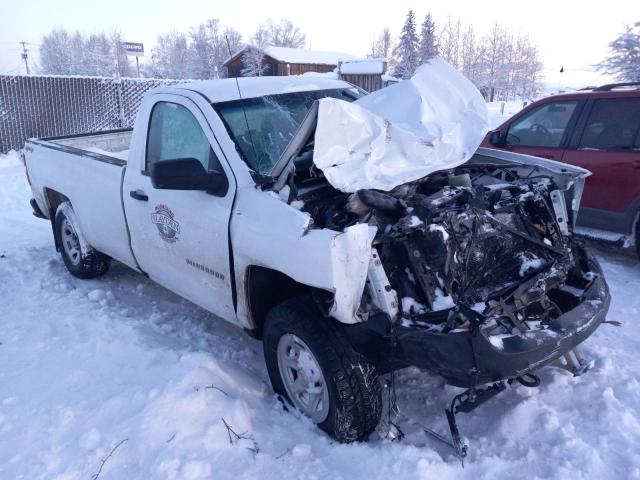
column 303, row 378
column 70, row 242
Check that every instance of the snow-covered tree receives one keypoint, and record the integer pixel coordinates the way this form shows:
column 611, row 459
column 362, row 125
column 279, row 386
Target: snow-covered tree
column 170, row 58
column 253, row 61
column 406, row 52
column 449, row 42
column 427, row 48
column 63, row 53
column 624, row 55
column 283, row 34
column 495, row 44
column 122, row 59
column 381, row 45
column 471, row 56
column 55, row 53
column 253, row 57
column 208, row 49
column 100, row 55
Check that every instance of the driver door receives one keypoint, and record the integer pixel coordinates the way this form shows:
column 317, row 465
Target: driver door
column 180, row 237
column 543, row 131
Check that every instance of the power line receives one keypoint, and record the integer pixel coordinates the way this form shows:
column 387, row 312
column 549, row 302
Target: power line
column 25, row 56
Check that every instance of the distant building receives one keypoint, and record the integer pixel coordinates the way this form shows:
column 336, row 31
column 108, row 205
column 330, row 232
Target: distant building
column 369, row 74
column 281, row 61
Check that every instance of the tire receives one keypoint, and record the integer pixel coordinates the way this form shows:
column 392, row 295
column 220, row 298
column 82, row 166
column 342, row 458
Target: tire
column 353, row 390
column 82, row 260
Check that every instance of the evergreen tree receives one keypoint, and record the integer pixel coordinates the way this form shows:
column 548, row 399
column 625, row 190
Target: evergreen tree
column 624, row 55
column 406, row 52
column 427, row 48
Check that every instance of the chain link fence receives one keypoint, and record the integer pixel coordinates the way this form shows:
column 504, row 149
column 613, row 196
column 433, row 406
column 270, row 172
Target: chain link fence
column 45, row 106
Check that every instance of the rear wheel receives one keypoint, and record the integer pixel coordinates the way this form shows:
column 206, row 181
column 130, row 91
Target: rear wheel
column 82, row 260
column 312, row 366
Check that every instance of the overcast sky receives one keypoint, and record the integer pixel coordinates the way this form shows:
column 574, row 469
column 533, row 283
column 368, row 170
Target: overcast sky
column 568, row 33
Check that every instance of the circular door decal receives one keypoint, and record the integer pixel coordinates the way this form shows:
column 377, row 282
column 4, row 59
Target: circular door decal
column 167, row 227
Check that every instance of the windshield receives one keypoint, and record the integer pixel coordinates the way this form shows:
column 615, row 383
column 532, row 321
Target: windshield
column 263, row 127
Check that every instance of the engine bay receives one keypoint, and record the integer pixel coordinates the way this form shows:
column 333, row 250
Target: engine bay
column 481, row 244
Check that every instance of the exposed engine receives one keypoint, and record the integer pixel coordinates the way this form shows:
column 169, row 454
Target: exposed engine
column 480, row 244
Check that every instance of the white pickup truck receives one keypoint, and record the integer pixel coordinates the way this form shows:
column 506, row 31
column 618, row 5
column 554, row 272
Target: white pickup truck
column 469, row 271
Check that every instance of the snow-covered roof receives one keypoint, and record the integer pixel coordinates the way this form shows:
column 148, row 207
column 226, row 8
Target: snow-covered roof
column 226, row 89
column 301, row 55
column 369, row 66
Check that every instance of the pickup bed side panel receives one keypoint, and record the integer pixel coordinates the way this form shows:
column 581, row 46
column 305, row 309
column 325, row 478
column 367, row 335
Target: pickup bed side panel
column 94, row 189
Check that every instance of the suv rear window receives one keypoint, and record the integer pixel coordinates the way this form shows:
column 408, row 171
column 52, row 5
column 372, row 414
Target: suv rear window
column 613, row 124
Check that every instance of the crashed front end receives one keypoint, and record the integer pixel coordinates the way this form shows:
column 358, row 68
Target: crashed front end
column 490, row 283
column 474, row 272
column 470, row 268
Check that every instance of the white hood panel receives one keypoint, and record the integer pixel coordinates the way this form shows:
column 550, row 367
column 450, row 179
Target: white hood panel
column 434, row 121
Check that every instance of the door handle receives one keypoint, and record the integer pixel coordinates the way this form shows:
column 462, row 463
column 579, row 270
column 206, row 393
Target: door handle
column 139, row 195
column 635, row 164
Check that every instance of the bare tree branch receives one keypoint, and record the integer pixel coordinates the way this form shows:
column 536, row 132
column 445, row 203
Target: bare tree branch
column 104, row 460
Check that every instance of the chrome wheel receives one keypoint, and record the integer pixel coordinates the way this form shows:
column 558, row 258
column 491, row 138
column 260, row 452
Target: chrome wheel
column 70, row 242
column 303, row 378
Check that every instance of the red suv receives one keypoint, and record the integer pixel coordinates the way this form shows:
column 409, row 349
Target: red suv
column 598, row 130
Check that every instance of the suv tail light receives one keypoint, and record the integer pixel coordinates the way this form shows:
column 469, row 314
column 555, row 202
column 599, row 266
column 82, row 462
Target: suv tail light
column 23, row 157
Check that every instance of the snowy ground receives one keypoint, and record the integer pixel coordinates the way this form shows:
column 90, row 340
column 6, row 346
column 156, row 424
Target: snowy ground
column 85, row 365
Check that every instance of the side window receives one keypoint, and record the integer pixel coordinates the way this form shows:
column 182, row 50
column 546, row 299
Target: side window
column 174, row 133
column 613, row 124
column 544, row 126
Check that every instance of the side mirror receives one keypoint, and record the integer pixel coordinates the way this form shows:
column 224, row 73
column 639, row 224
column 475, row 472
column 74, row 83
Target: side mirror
column 495, row 138
column 187, row 174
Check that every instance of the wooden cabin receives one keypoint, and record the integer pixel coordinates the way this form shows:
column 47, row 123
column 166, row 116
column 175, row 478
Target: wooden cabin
column 368, row 74
column 280, row 61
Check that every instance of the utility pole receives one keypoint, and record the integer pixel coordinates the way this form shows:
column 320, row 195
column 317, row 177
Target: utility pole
column 25, row 56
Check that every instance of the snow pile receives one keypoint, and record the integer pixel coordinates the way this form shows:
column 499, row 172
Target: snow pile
column 435, row 120
column 88, row 366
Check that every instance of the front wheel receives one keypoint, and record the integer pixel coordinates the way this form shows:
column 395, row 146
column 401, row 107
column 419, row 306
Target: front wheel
column 80, row 258
column 312, row 365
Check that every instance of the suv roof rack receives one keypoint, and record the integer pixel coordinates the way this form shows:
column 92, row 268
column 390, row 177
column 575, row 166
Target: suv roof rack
column 611, row 86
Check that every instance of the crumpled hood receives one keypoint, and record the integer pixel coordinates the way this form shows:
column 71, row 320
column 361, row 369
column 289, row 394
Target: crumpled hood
column 434, row 121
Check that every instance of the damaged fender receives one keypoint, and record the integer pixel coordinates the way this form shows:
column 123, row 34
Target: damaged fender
column 334, row 261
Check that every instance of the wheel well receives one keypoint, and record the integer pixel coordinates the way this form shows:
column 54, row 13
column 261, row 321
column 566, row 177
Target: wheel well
column 54, row 199
column 266, row 288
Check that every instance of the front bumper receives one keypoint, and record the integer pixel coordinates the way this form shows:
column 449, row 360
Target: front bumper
column 468, row 359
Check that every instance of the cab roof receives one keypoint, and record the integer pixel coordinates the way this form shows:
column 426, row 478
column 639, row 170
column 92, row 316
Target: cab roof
column 226, row 89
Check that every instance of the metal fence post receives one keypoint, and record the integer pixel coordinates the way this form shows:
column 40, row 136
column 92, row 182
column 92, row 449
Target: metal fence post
column 120, row 102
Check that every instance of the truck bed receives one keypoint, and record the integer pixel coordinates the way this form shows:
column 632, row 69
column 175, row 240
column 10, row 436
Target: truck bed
column 86, row 170
column 111, row 146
